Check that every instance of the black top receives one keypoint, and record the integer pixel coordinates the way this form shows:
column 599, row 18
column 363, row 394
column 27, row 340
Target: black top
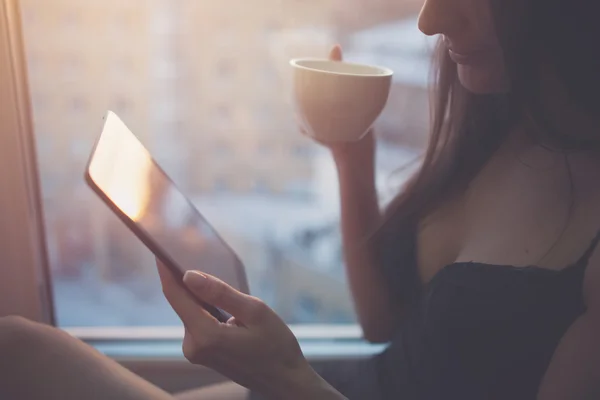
column 482, row 331
column 474, row 332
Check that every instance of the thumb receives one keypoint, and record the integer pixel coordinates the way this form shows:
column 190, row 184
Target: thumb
column 219, row 294
column 336, row 53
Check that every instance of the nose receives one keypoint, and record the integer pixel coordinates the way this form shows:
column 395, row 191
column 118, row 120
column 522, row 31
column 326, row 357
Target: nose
column 440, row 17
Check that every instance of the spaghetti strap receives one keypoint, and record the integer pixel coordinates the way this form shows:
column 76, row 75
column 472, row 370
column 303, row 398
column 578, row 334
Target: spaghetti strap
column 585, row 258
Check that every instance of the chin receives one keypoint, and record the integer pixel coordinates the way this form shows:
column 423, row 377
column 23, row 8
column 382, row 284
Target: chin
column 480, row 80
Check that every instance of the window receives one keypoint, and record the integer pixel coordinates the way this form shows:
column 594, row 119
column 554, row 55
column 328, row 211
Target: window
column 261, row 186
column 79, row 148
column 122, row 19
column 122, row 105
column 120, row 69
column 222, row 149
column 40, row 105
column 271, row 26
column 225, row 75
column 78, row 105
column 226, row 69
column 299, row 189
column 302, row 151
column 220, row 185
column 71, row 68
column 268, row 75
column 70, row 20
column 264, row 114
column 307, row 307
column 265, row 149
column 165, row 70
column 101, row 275
column 222, row 116
column 162, row 24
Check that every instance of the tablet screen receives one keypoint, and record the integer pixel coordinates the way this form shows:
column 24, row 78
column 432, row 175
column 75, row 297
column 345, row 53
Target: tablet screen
column 125, row 172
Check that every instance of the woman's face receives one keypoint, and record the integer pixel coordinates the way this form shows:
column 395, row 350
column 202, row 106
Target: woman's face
column 467, row 27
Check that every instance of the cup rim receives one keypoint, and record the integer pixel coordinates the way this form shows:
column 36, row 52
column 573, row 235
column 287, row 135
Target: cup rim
column 385, row 72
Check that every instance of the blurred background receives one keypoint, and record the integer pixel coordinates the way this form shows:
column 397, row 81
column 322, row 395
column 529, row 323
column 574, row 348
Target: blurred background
column 206, row 86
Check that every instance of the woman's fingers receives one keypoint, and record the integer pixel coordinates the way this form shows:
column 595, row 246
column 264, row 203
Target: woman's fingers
column 166, row 277
column 246, row 309
column 194, row 317
column 336, row 53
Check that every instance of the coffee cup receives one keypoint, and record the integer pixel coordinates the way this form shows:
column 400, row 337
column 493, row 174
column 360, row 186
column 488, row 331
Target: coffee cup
column 338, row 101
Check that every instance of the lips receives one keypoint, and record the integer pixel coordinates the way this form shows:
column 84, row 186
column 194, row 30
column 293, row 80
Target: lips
column 469, row 57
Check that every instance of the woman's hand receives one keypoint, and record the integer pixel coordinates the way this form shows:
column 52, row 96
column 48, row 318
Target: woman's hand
column 255, row 348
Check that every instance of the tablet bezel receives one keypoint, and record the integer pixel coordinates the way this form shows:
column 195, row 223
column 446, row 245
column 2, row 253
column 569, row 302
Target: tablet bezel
column 141, row 234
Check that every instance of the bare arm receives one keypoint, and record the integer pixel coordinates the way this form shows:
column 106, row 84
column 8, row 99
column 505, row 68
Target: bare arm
column 307, row 385
column 574, row 372
column 360, row 214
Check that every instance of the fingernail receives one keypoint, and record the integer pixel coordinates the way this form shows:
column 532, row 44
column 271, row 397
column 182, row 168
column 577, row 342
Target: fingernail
column 194, row 278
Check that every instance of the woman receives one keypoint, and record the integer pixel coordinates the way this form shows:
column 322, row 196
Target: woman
column 481, row 273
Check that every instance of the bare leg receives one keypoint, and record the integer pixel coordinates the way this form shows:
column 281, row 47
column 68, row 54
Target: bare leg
column 40, row 362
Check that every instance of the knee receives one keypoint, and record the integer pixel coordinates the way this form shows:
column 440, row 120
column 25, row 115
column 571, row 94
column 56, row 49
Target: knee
column 17, row 348
column 17, row 334
column 15, row 324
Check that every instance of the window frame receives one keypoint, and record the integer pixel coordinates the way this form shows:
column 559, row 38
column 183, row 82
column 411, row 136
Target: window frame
column 25, row 285
column 25, row 281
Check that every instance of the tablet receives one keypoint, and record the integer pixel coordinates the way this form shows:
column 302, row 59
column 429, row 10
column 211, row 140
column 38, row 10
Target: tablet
column 126, row 177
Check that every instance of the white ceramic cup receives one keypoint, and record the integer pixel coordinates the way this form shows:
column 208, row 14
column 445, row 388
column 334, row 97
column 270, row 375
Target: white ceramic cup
column 338, row 101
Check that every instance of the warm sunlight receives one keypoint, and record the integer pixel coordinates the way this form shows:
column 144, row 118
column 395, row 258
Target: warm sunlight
column 121, row 167
column 206, row 86
column 129, row 188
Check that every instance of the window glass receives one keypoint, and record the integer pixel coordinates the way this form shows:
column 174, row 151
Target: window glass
column 205, row 85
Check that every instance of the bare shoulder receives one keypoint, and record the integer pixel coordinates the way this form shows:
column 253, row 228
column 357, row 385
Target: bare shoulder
column 440, row 238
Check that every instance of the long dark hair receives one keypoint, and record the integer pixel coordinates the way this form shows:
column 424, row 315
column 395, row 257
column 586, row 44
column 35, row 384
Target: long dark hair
column 466, row 129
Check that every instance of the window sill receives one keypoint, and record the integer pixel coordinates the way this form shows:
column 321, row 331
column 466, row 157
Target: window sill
column 164, row 343
column 155, row 353
column 170, row 350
